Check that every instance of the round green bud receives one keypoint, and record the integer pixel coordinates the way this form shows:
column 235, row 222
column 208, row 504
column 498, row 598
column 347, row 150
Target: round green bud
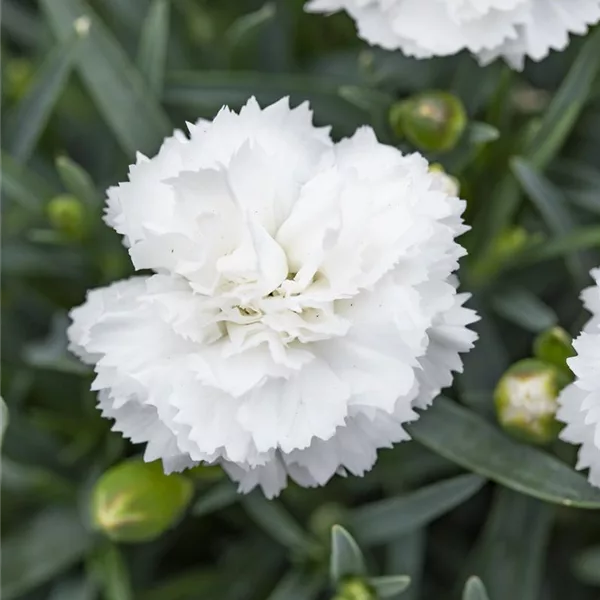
column 135, row 501
column 554, row 346
column 67, row 215
column 526, row 400
column 432, row 121
column 355, row 589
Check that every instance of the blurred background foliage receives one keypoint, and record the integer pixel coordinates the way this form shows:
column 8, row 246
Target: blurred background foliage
column 86, row 84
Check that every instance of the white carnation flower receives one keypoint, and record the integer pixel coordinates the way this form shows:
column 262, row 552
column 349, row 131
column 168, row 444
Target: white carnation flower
column 580, row 401
column 512, row 29
column 302, row 304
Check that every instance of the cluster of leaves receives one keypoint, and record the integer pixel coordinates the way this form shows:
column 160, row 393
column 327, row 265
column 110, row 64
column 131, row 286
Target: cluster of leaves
column 86, row 84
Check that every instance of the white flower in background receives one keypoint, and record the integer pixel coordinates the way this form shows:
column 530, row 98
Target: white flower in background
column 512, row 29
column 302, row 304
column 580, row 401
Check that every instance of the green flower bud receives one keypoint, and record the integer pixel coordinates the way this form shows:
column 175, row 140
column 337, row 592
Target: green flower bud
column 554, row 346
column 355, row 589
column 525, row 399
column 324, row 517
column 432, row 121
column 67, row 215
column 136, row 502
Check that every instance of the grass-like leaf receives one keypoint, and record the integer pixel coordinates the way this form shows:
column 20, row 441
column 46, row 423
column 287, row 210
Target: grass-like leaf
column 462, row 436
column 474, row 589
column 390, row 586
column 205, row 92
column 29, row 118
column 108, row 567
column 346, row 557
column 386, row 520
column 551, row 204
column 3, row 418
column 296, row 585
column 77, row 181
column 510, row 562
column 123, row 98
column 32, row 554
column 567, row 104
column 586, row 566
column 152, row 53
column 524, row 309
column 23, row 186
column 278, row 523
column 221, row 495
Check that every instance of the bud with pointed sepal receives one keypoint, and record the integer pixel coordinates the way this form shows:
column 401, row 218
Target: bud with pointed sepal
column 135, row 501
column 432, row 121
column 555, row 346
column 526, row 400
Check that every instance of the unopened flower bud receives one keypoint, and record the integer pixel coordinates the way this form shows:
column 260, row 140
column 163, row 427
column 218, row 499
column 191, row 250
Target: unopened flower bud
column 526, row 400
column 449, row 184
column 554, row 346
column 355, row 589
column 432, row 121
column 67, row 215
column 136, row 502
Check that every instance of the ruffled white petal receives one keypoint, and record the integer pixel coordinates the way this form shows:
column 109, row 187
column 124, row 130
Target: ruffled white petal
column 302, row 304
column 512, row 29
column 579, row 403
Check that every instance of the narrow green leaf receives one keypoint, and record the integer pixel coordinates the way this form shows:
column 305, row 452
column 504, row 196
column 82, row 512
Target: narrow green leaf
column 220, row 496
column 389, row 586
column 3, row 418
column 545, row 196
column 584, row 238
column 552, row 206
column 23, row 24
column 74, row 588
column 127, row 13
column 30, row 552
column 407, row 555
column 469, row 440
column 510, row 563
column 77, row 181
column 586, row 566
column 482, row 133
column 22, row 186
column 278, row 523
column 119, row 91
column 474, row 589
column 26, row 123
column 152, row 53
column 386, row 520
column 205, row 93
column 297, row 586
column 108, row 568
column 346, row 558
column 189, row 585
column 521, row 307
column 495, row 217
column 247, row 28
column 566, row 105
